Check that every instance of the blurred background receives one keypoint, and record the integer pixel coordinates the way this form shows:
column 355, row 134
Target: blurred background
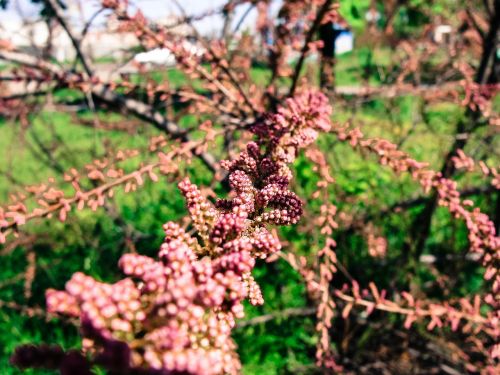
column 404, row 70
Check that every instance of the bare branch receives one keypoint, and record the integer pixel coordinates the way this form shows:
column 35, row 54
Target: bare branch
column 105, row 93
column 284, row 314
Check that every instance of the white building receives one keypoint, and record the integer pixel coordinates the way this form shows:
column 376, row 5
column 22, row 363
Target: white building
column 34, row 37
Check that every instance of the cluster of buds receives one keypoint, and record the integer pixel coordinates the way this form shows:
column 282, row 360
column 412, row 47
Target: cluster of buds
column 175, row 314
column 377, row 244
column 464, row 162
column 261, row 192
column 113, row 4
column 295, row 126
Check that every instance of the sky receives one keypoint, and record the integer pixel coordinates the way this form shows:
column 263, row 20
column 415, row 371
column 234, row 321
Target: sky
column 153, row 9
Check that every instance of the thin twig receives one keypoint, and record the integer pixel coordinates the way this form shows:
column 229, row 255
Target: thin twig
column 284, row 314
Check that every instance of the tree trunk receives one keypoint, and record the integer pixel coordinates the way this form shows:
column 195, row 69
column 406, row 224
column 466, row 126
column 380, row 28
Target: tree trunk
column 327, row 35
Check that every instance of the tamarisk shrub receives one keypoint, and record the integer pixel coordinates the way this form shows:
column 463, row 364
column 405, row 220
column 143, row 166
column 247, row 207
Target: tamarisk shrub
column 174, row 314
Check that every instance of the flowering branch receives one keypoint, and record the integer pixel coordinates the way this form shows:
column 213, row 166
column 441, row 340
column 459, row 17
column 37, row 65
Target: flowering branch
column 175, row 314
column 53, row 201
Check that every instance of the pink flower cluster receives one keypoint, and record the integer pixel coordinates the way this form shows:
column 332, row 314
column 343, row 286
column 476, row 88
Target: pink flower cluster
column 377, row 244
column 175, row 314
column 261, row 191
column 462, row 161
column 296, row 125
